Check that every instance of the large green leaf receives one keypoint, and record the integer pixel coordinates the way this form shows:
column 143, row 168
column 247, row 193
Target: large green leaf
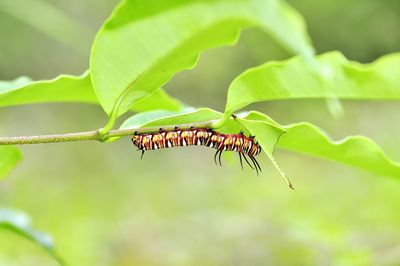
column 67, row 88
column 144, row 43
column 10, row 156
column 21, row 224
column 356, row 151
column 331, row 76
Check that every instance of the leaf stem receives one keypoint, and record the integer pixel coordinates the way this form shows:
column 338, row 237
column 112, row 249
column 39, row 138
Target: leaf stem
column 93, row 135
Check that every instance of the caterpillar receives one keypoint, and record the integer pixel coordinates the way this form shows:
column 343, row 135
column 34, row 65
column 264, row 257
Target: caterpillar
column 203, row 137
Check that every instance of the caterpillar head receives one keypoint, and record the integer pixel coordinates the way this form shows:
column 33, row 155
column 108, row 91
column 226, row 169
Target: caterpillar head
column 136, row 139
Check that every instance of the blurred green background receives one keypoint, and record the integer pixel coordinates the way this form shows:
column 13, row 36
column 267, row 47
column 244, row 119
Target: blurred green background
column 104, row 206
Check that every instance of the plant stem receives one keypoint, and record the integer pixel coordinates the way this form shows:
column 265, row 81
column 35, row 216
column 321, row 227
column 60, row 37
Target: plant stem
column 88, row 135
column 93, row 135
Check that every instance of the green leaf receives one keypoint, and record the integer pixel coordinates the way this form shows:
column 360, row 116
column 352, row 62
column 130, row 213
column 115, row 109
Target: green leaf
column 16, row 83
column 159, row 118
column 20, row 223
column 144, row 43
column 356, row 151
column 331, row 76
column 267, row 134
column 64, row 88
column 10, row 156
column 68, row 88
column 159, row 99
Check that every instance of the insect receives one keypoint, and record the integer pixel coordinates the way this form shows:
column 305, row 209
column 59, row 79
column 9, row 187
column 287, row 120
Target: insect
column 245, row 146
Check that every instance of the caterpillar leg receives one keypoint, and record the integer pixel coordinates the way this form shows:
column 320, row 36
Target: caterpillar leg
column 215, row 157
column 219, row 158
column 240, row 158
column 255, row 161
column 141, row 157
column 247, row 161
column 255, row 165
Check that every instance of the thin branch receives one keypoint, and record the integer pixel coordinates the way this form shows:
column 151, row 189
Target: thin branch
column 93, row 135
column 88, row 135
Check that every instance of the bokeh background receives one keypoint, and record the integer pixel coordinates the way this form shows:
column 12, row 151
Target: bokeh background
column 104, row 206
